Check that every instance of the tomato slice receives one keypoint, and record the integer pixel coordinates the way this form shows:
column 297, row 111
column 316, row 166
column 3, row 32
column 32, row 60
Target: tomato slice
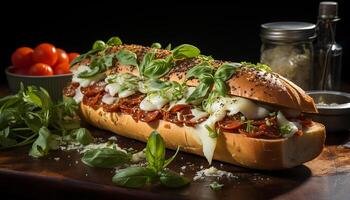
column 230, row 124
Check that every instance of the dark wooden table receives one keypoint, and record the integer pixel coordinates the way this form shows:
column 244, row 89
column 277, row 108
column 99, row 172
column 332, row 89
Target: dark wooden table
column 327, row 177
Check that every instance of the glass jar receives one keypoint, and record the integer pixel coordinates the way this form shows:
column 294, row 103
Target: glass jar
column 287, row 48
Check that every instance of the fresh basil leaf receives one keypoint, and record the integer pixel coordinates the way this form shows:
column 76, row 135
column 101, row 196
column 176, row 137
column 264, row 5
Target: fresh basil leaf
column 82, row 57
column 99, row 45
column 226, row 70
column 200, row 69
column 108, row 60
column 168, row 47
column 147, row 58
column 221, row 87
column 114, row 41
column 173, row 180
column 5, row 140
column 90, row 73
column 105, row 158
column 169, row 160
column 134, row 177
column 201, row 90
column 157, row 68
column 83, row 136
column 185, row 51
column 43, row 143
column 216, row 186
column 156, row 45
column 127, row 57
column 155, row 151
column 33, row 121
column 211, row 132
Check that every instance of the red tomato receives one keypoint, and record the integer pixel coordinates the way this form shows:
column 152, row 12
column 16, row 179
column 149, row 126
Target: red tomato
column 19, row 70
column 45, row 53
column 40, row 69
column 61, row 68
column 62, row 56
column 72, row 55
column 22, row 57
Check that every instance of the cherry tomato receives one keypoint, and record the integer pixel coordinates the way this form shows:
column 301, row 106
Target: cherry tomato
column 45, row 53
column 19, row 70
column 72, row 56
column 61, row 68
column 40, row 69
column 22, row 57
column 62, row 56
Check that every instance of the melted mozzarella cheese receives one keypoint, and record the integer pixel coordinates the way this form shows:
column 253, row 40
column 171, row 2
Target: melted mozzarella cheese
column 126, row 93
column 112, row 88
column 198, row 114
column 108, row 99
column 218, row 110
column 78, row 97
column 153, row 102
column 282, row 121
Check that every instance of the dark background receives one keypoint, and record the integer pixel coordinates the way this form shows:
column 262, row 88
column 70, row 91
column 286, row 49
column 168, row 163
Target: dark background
column 227, row 31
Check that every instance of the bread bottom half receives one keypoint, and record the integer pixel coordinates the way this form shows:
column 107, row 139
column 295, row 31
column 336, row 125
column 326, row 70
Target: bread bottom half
column 237, row 149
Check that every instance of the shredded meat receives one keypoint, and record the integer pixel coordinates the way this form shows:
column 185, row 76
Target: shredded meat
column 180, row 114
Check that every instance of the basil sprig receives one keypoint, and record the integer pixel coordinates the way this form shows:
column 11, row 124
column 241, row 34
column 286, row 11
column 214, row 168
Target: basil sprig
column 31, row 117
column 204, row 72
column 83, row 136
column 98, row 46
column 137, row 177
column 153, row 68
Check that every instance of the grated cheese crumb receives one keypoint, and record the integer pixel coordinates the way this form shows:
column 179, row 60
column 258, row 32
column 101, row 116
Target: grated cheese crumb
column 213, row 172
column 139, row 156
column 57, row 158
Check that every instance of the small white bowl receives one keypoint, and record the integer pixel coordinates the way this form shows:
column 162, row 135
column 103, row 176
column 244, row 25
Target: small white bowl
column 53, row 84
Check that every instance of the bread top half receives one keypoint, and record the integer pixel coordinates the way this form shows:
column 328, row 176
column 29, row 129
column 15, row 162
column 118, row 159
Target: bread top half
column 248, row 82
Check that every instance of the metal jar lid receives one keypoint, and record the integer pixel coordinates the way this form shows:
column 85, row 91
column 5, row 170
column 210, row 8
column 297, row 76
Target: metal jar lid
column 288, row 31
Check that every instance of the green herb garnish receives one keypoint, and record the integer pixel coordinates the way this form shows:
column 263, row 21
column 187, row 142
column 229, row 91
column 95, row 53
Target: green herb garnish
column 258, row 66
column 204, row 72
column 105, row 158
column 137, row 177
column 30, row 116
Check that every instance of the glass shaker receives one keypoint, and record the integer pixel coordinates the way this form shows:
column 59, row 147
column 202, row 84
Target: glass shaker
column 287, row 48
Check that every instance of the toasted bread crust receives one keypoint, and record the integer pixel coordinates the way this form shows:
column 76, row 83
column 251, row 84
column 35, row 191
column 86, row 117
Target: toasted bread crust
column 267, row 154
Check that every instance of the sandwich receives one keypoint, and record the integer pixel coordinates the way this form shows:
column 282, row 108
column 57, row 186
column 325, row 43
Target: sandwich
column 238, row 113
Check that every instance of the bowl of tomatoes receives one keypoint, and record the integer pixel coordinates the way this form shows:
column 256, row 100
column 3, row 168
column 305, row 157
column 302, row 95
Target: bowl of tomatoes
column 44, row 66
